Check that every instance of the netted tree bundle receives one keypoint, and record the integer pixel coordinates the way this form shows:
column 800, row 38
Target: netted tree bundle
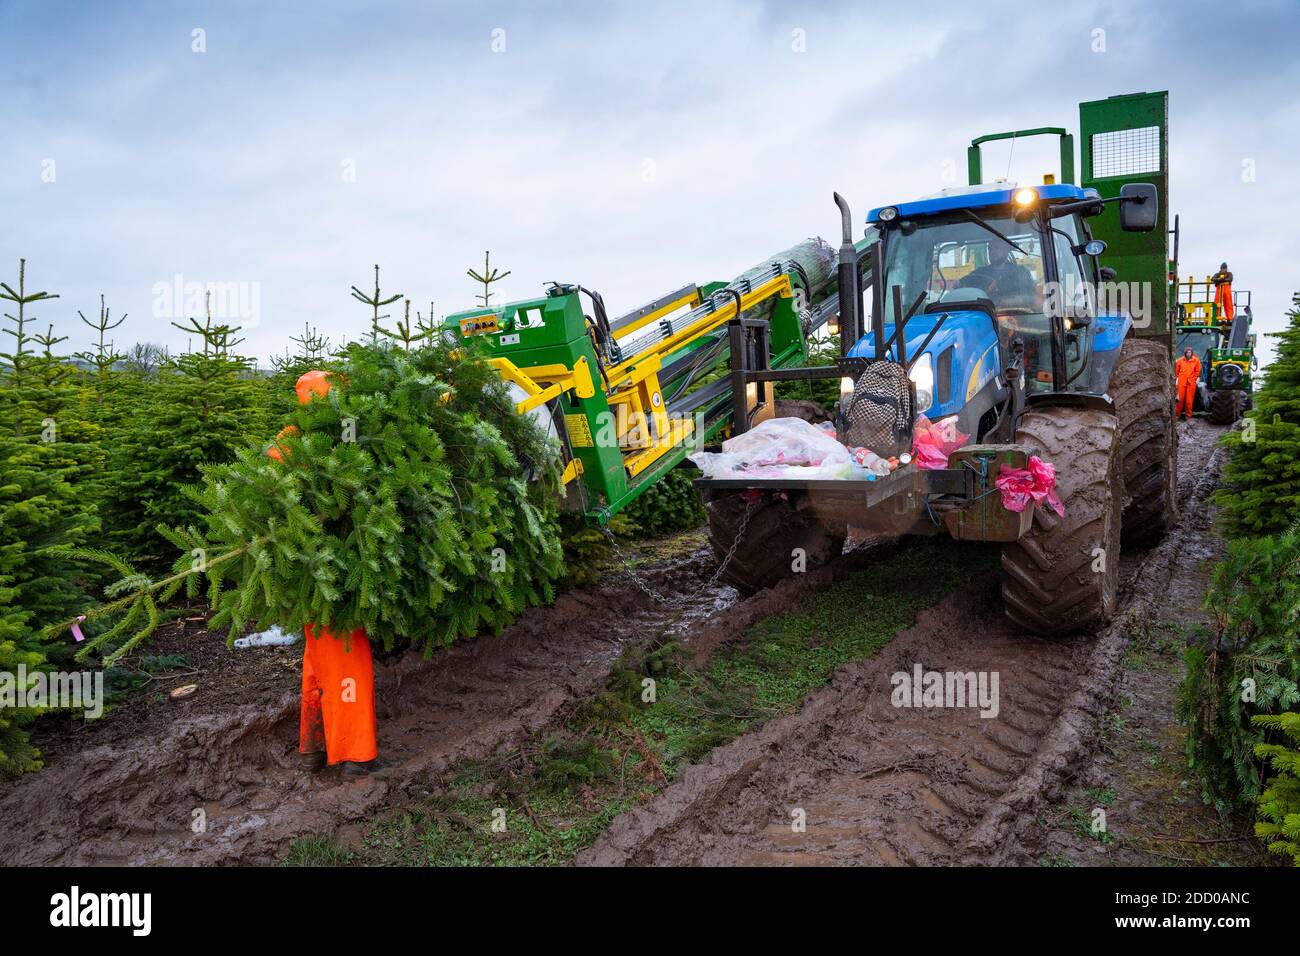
column 401, row 506
column 817, row 259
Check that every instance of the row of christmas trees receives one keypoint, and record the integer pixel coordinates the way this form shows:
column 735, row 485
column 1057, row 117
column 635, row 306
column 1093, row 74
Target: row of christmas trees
column 1243, row 677
column 98, row 447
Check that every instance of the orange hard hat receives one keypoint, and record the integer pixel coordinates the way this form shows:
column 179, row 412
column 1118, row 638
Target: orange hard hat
column 312, row 384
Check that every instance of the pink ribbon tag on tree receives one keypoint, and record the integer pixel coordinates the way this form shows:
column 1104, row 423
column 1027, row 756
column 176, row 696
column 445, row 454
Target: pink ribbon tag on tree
column 76, row 628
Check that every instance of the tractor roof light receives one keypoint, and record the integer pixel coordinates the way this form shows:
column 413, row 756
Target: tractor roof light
column 888, row 214
column 1025, row 197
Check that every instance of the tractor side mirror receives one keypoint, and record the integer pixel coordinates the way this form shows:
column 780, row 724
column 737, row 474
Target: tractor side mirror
column 1139, row 207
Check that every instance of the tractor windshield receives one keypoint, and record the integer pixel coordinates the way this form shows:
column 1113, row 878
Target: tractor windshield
column 954, row 260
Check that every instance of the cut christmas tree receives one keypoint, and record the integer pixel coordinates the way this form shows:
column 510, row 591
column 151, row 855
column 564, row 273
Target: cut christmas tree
column 400, row 504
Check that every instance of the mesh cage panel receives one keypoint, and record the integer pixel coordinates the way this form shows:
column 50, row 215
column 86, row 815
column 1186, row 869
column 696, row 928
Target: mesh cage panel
column 1126, row 152
column 880, row 415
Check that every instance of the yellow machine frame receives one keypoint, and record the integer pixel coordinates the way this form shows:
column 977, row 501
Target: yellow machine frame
column 642, row 426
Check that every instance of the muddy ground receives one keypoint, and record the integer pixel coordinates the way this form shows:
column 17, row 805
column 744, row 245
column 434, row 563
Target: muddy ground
column 853, row 779
column 129, row 789
column 872, row 783
column 1138, row 773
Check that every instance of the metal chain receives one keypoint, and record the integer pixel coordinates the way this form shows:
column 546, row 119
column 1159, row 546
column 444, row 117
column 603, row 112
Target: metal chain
column 731, row 552
column 713, row 579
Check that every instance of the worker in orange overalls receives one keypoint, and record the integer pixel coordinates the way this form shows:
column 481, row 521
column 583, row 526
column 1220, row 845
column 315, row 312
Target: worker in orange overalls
column 1223, row 291
column 1187, row 372
column 337, row 719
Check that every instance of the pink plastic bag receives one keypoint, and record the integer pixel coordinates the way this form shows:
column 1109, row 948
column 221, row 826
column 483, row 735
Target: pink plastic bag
column 933, row 442
column 1036, row 483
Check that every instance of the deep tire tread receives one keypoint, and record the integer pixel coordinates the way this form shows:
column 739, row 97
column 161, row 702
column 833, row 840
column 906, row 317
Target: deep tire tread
column 1142, row 387
column 776, row 527
column 1048, row 583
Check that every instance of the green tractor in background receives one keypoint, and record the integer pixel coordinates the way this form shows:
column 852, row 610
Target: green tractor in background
column 1225, row 346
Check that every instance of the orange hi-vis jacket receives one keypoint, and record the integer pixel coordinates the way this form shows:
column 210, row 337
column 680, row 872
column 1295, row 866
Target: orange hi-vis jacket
column 1187, row 370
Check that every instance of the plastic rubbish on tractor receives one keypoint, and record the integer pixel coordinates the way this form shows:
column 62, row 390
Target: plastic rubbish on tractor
column 1037, row 483
column 779, row 448
column 794, row 448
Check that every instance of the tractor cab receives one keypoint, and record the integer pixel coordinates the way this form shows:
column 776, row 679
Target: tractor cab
column 1003, row 283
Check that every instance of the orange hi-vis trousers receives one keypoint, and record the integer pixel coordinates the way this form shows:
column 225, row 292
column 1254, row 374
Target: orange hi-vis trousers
column 1223, row 299
column 338, row 696
column 1186, row 397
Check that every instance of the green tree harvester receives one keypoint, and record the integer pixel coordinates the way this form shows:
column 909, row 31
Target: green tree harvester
column 1226, row 347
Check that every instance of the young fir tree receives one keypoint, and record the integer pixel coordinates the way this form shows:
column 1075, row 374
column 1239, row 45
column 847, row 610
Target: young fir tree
column 488, row 277
column 17, row 366
column 202, row 406
column 1279, row 805
column 408, row 336
column 17, row 648
column 1261, row 493
column 104, row 359
column 376, row 302
column 1247, row 664
column 426, row 324
column 43, row 456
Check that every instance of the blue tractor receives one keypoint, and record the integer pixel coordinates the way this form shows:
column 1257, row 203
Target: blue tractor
column 988, row 302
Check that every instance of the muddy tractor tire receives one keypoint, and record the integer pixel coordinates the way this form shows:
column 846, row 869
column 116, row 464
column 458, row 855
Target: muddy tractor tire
column 765, row 555
column 1054, row 579
column 1227, row 405
column 1142, row 387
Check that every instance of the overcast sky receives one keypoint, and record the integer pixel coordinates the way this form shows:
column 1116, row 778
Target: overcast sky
column 289, row 147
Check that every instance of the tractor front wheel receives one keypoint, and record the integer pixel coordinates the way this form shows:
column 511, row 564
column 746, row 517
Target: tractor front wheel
column 1062, row 576
column 1227, row 405
column 770, row 530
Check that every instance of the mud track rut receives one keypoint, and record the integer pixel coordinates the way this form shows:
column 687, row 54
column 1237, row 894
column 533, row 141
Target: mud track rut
column 132, row 800
column 900, row 786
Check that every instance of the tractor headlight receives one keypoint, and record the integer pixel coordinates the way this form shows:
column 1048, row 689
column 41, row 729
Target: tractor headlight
column 1026, row 197
column 922, row 376
column 888, row 214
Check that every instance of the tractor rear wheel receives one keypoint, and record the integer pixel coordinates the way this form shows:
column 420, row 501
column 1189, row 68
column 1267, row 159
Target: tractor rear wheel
column 1227, row 405
column 775, row 527
column 1063, row 575
column 1142, row 387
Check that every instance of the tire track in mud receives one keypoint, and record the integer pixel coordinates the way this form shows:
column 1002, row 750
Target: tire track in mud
column 133, row 801
column 883, row 785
